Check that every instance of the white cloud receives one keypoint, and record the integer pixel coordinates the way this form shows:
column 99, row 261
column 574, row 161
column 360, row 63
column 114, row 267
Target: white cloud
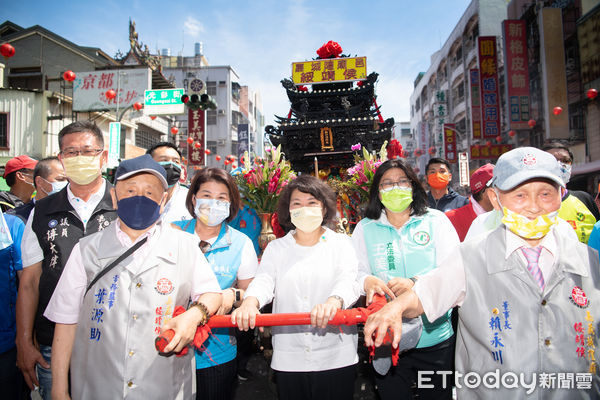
column 193, row 27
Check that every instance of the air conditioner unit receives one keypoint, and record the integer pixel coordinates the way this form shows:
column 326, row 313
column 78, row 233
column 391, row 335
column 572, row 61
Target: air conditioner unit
column 221, row 112
column 221, row 142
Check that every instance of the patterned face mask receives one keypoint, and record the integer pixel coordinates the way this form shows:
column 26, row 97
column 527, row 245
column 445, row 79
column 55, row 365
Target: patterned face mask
column 528, row 228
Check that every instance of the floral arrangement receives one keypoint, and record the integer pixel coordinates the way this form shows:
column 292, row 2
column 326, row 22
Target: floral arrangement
column 261, row 184
column 330, row 49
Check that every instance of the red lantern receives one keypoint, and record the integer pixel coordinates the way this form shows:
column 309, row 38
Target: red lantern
column 153, row 117
column 226, row 162
column 360, row 83
column 417, row 152
column 557, row 110
column 198, row 145
column 498, row 138
column 531, row 123
column 110, row 94
column 207, row 151
column 488, row 143
column 234, row 165
column 190, row 140
column 512, row 133
column 432, row 150
column 218, row 157
column 591, row 94
column 174, row 130
column 69, row 76
column 7, row 50
column 137, row 106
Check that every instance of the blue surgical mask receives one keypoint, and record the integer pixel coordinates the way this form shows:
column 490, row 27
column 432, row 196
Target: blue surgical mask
column 138, row 212
column 57, row 186
column 565, row 171
column 211, row 212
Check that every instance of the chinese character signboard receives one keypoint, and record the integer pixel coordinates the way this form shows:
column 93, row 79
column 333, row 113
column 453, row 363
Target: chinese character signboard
column 463, row 168
column 517, row 73
column 488, row 75
column 243, row 140
column 488, row 152
column 450, row 142
column 439, row 114
column 196, row 132
column 329, row 70
column 89, row 89
column 163, row 102
column 475, row 103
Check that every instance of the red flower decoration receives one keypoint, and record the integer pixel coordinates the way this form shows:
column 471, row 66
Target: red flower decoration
column 302, row 88
column 394, row 149
column 330, row 49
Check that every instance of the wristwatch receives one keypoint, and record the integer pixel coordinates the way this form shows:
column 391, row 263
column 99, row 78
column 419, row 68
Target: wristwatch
column 335, row 296
column 237, row 295
column 414, row 279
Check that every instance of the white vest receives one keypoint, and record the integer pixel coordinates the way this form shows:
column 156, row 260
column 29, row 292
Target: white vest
column 115, row 358
column 504, row 310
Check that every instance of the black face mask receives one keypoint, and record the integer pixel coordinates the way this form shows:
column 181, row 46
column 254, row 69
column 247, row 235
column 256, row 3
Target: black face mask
column 173, row 172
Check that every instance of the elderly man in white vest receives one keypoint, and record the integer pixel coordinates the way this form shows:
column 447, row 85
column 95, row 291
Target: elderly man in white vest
column 529, row 297
column 118, row 291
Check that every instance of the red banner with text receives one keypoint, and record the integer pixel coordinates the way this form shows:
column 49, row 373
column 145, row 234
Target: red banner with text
column 516, row 73
column 488, row 75
column 196, row 133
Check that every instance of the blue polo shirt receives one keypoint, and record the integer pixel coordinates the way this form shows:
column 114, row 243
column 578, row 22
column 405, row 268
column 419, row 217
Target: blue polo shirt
column 10, row 263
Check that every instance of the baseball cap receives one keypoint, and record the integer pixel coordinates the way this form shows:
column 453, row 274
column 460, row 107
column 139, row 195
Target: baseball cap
column 525, row 163
column 481, row 177
column 140, row 164
column 17, row 163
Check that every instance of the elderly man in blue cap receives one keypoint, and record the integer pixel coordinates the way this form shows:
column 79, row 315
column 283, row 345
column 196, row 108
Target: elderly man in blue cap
column 118, row 291
column 528, row 295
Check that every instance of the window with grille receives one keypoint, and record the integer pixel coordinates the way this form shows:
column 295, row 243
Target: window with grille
column 146, row 139
column 212, row 146
column 4, row 130
column 211, row 88
column 211, row 117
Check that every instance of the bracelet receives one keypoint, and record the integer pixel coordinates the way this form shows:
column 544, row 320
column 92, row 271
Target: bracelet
column 414, row 279
column 203, row 310
column 335, row 296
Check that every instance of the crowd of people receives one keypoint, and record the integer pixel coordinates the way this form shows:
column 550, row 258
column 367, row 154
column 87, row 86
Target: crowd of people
column 504, row 281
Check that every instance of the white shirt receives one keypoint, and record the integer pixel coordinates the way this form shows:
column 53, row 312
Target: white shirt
column 446, row 242
column 489, row 221
column 437, row 296
column 31, row 252
column 297, row 278
column 65, row 303
column 175, row 209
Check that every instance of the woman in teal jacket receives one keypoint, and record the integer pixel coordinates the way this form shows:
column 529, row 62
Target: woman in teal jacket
column 399, row 239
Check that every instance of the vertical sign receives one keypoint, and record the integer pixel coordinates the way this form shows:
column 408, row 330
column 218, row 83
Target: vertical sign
column 114, row 143
column 488, row 74
column 516, row 73
column 463, row 168
column 196, row 129
column 475, row 103
column 243, row 140
column 440, row 110
column 450, row 142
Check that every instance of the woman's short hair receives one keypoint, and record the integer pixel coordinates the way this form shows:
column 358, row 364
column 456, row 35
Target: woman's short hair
column 419, row 203
column 214, row 175
column 306, row 184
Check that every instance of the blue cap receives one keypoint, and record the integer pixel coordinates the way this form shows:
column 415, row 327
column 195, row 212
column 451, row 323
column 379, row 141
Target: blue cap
column 140, row 164
column 522, row 164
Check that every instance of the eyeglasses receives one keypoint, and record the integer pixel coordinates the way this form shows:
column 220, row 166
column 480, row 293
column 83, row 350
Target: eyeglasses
column 70, row 152
column 388, row 184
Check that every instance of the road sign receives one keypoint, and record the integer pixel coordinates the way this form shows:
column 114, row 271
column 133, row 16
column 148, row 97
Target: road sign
column 463, row 168
column 163, row 102
column 114, row 143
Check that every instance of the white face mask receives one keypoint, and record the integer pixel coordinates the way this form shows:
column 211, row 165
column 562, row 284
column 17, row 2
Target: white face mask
column 307, row 219
column 565, row 171
column 211, row 212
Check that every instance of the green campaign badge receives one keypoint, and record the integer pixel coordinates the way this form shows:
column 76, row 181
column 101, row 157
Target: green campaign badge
column 421, row 238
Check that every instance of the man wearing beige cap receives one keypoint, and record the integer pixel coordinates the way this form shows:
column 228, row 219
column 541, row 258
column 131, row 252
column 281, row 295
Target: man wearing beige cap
column 18, row 173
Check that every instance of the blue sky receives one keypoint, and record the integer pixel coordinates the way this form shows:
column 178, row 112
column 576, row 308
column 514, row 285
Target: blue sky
column 260, row 39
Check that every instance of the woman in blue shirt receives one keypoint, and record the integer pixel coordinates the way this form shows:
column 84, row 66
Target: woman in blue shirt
column 399, row 239
column 213, row 200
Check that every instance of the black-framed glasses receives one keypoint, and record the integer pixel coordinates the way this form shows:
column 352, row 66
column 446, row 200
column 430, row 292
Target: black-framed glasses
column 70, row 152
column 401, row 183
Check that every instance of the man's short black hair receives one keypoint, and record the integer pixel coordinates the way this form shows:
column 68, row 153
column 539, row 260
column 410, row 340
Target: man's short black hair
column 42, row 168
column 80, row 127
column 558, row 145
column 163, row 144
column 437, row 160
